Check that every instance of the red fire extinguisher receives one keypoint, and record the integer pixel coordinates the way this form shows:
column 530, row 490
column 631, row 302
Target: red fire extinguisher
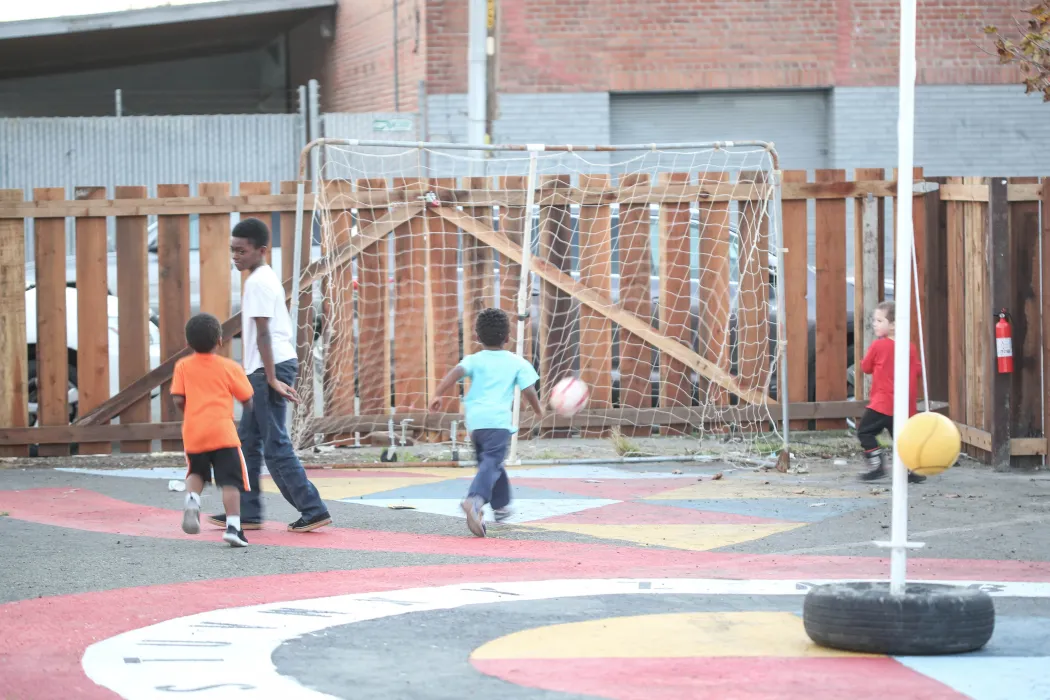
column 1004, row 346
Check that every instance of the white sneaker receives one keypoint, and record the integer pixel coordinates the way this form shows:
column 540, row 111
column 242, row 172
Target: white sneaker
column 191, row 517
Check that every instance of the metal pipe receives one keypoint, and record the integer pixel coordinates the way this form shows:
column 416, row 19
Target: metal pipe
column 397, row 101
column 523, row 294
column 902, row 343
column 778, row 231
column 476, row 73
column 437, row 145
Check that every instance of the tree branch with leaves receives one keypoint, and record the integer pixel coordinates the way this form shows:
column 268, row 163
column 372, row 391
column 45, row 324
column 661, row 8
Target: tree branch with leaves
column 1029, row 48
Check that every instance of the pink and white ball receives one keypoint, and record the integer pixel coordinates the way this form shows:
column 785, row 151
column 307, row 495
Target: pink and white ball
column 569, row 396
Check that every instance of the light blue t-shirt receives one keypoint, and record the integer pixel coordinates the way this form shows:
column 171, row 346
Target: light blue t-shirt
column 489, row 403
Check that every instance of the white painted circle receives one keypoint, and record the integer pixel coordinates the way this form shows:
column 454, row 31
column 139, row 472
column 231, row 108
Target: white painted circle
column 228, row 653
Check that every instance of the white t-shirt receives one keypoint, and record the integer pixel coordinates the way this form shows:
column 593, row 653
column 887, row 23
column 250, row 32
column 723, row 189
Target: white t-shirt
column 264, row 298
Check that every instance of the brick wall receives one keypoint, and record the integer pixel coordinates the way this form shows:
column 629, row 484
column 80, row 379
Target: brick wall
column 359, row 75
column 576, row 46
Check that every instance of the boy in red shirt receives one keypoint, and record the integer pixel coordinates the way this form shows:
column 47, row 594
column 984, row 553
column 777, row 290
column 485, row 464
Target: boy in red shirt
column 878, row 362
column 203, row 389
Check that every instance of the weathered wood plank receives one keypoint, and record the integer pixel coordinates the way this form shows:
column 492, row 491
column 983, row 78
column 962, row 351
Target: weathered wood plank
column 830, row 339
column 596, row 272
column 215, row 262
column 796, row 260
column 173, row 261
column 675, row 296
column 52, row 354
column 505, row 196
column 373, row 314
column 1026, row 398
column 92, row 313
column 133, row 312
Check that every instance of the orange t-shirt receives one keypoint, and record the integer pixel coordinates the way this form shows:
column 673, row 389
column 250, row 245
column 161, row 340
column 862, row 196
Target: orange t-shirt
column 209, row 383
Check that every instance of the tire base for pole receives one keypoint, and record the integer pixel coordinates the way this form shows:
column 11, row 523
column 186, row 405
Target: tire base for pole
column 928, row 619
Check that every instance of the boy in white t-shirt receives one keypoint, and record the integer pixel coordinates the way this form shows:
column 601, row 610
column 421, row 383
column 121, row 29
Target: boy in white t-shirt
column 268, row 347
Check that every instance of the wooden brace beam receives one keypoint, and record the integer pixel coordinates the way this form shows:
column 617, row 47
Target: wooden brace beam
column 603, row 305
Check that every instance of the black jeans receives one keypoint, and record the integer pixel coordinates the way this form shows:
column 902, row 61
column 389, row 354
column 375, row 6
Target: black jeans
column 871, row 426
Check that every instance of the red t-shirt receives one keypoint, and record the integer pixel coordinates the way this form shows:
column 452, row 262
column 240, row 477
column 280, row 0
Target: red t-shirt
column 878, row 362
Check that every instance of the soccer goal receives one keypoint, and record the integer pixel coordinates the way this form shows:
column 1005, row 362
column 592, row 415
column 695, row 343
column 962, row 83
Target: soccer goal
column 651, row 272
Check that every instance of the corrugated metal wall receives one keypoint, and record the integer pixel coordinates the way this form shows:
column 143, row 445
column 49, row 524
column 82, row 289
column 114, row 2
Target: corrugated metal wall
column 112, row 151
column 358, row 162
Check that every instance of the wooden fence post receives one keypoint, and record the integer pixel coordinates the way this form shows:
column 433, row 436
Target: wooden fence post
column 998, row 412
column 796, row 290
column 133, row 312
column 1026, row 398
column 92, row 316
column 14, row 380
column 52, row 354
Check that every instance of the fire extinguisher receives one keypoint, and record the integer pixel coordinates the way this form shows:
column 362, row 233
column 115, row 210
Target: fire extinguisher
column 1004, row 346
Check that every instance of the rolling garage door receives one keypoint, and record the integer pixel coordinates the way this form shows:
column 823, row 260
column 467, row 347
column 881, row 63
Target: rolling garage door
column 795, row 120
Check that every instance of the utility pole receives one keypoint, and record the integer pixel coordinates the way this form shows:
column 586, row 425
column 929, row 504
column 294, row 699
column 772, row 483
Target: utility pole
column 490, row 71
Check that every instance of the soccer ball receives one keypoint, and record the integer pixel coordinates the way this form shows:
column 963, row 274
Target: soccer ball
column 569, row 396
column 929, row 443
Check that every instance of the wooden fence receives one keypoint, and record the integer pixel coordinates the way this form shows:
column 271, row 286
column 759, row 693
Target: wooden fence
column 978, row 249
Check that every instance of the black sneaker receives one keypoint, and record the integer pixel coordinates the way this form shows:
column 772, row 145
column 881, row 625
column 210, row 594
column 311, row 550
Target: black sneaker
column 220, row 521
column 501, row 514
column 876, row 466
column 235, row 537
column 304, row 525
column 914, row 478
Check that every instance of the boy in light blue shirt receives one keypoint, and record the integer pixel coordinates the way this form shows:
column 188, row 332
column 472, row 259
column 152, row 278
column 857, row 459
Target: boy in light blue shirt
column 494, row 374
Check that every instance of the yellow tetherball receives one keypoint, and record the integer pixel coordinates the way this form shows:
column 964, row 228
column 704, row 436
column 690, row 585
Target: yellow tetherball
column 929, row 443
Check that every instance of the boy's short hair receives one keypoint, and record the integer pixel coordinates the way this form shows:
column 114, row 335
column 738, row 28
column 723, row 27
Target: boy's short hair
column 492, row 327
column 203, row 333
column 889, row 310
column 254, row 231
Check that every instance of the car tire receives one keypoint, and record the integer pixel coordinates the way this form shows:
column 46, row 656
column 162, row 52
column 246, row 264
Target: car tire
column 927, row 619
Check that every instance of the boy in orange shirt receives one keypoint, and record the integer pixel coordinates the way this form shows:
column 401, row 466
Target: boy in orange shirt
column 203, row 388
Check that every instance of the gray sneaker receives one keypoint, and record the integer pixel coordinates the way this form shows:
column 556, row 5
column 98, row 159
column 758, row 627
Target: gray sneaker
column 501, row 514
column 191, row 518
column 475, row 517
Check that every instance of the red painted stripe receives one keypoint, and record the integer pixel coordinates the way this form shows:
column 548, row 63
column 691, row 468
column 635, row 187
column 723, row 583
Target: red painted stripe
column 758, row 678
column 85, row 510
column 649, row 514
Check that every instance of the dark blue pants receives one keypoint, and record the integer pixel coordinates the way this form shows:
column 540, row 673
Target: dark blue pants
column 491, row 482
column 264, row 436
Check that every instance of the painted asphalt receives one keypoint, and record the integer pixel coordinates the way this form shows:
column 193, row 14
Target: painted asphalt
column 607, row 582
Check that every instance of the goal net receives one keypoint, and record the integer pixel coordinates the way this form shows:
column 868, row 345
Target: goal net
column 650, row 275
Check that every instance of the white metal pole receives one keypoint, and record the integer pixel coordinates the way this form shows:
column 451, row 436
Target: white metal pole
column 524, row 289
column 476, row 76
column 902, row 345
column 782, row 348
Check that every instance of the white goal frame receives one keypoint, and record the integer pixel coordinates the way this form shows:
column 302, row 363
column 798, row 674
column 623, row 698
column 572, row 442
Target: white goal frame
column 773, row 212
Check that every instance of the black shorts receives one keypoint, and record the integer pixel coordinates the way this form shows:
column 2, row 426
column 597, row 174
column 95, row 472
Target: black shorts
column 227, row 463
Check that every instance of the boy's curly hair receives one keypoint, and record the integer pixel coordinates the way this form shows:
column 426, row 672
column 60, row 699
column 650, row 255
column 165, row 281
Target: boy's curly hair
column 203, row 333
column 492, row 327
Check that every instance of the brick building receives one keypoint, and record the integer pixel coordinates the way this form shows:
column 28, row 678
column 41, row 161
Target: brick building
column 818, row 77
